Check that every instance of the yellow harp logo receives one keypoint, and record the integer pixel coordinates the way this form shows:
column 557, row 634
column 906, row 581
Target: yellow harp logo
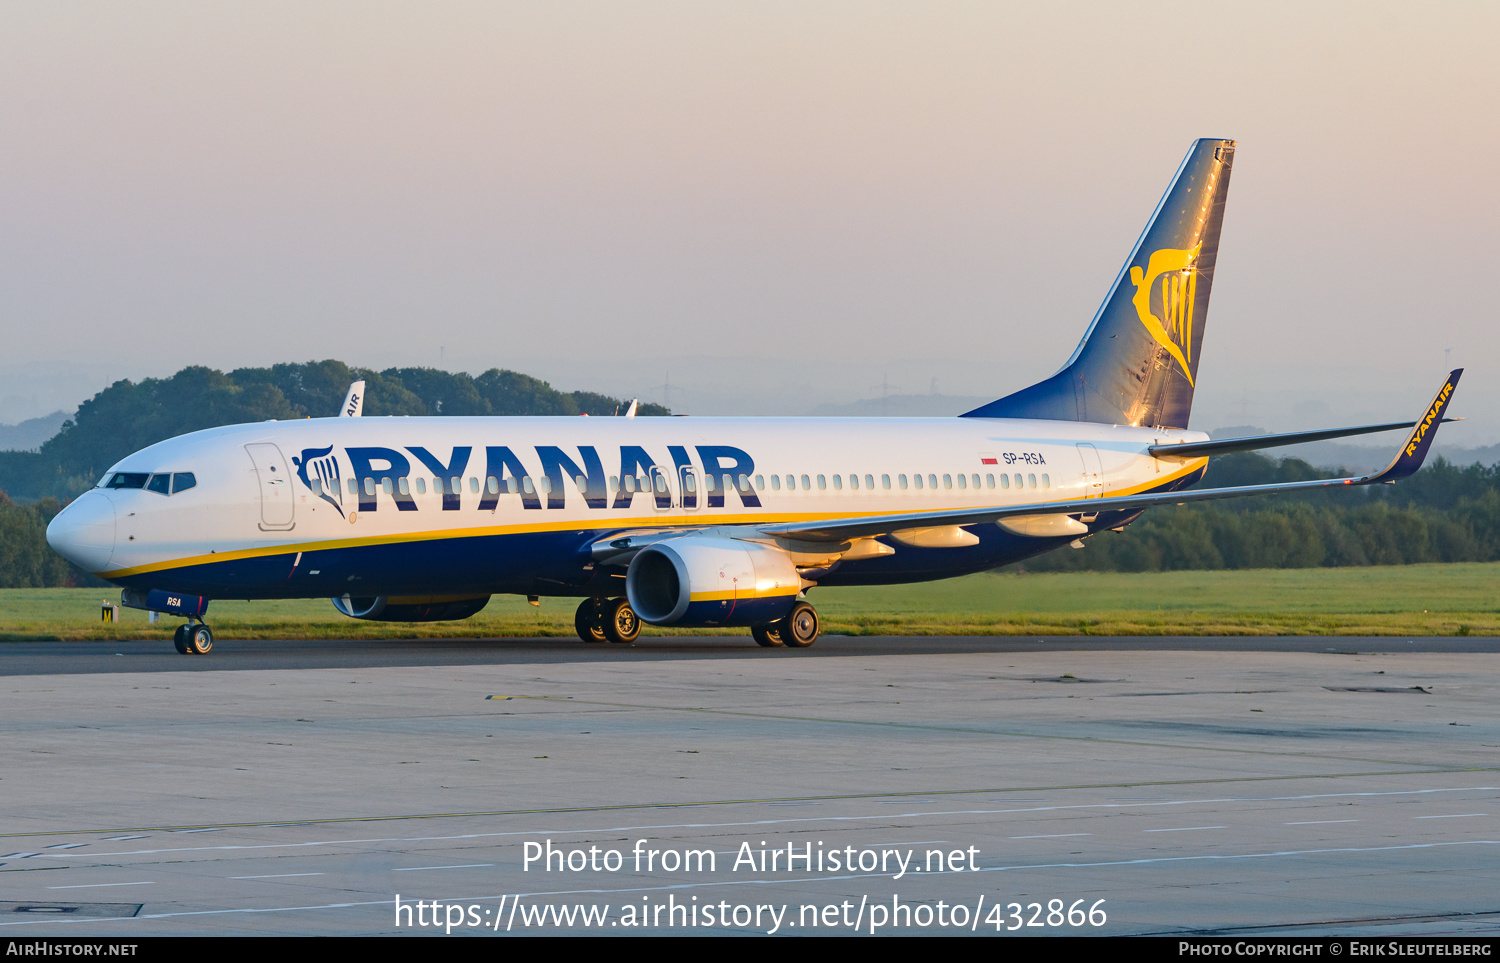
column 1173, row 330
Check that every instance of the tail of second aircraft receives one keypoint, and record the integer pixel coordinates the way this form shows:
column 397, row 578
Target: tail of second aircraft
column 1138, row 361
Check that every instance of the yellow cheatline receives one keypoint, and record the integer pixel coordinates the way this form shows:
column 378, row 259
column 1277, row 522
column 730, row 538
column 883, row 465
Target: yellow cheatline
column 732, row 595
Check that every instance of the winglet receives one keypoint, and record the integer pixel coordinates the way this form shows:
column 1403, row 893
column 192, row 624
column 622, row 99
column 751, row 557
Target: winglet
column 1414, row 452
column 354, row 401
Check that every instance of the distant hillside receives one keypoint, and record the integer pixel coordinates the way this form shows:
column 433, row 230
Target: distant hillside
column 29, row 434
column 128, row 416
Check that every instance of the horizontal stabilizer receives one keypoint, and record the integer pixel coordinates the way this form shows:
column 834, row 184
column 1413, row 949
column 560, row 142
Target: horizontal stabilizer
column 1223, row 446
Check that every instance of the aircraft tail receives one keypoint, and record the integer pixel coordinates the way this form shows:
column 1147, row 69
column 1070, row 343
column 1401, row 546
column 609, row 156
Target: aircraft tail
column 1138, row 362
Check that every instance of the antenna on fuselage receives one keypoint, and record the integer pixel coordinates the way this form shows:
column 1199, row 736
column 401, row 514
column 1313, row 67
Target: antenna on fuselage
column 354, row 402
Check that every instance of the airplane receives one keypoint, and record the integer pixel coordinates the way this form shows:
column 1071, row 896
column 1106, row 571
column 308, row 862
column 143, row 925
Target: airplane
column 695, row 521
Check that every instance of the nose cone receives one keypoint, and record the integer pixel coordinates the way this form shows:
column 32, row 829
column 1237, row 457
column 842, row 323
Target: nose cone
column 84, row 532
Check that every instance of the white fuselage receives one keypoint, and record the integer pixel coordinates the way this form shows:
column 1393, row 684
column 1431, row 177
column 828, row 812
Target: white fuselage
column 324, row 506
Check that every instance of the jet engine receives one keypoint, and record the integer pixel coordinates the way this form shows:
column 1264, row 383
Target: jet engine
column 410, row 608
column 706, row 580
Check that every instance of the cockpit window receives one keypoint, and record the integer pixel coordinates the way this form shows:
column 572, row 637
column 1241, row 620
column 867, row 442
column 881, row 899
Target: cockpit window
column 182, row 481
column 128, row 479
column 160, row 483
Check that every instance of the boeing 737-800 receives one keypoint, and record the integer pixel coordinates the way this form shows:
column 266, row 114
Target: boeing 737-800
column 693, row 521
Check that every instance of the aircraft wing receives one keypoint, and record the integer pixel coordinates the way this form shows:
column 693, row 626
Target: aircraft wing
column 1407, row 461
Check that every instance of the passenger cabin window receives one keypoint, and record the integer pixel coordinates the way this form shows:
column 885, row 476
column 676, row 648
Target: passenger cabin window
column 473, row 485
column 760, row 483
column 403, row 486
column 822, row 483
column 838, row 482
column 885, row 481
column 901, row 480
column 369, row 486
column 492, row 485
column 1046, row 482
column 989, row 480
column 806, row 485
column 976, row 480
column 1004, row 481
column 775, row 482
column 918, row 480
column 354, row 487
column 961, row 482
column 421, row 486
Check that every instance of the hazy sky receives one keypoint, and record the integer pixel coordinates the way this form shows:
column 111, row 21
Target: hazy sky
column 776, row 203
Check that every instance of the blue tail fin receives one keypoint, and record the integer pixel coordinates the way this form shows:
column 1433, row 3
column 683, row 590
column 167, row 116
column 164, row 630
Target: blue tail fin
column 1138, row 361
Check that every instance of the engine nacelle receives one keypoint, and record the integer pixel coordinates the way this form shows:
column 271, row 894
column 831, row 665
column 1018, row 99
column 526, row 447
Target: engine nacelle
column 411, row 608
column 703, row 580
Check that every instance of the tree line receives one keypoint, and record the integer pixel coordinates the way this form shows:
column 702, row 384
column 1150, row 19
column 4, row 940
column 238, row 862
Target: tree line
column 127, row 416
column 1443, row 513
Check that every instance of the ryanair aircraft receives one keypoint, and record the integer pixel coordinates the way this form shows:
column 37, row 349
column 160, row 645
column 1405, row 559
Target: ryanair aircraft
column 693, row 521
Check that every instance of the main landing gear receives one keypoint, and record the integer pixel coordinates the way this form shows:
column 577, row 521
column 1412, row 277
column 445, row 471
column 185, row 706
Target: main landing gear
column 613, row 620
column 797, row 630
column 607, row 620
column 193, row 639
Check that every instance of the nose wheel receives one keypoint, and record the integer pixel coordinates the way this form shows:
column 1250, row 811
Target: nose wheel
column 193, row 639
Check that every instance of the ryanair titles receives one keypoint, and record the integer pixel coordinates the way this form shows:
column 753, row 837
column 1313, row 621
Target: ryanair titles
column 374, row 473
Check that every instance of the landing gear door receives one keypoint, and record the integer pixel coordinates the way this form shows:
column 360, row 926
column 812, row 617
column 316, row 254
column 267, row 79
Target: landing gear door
column 277, row 500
